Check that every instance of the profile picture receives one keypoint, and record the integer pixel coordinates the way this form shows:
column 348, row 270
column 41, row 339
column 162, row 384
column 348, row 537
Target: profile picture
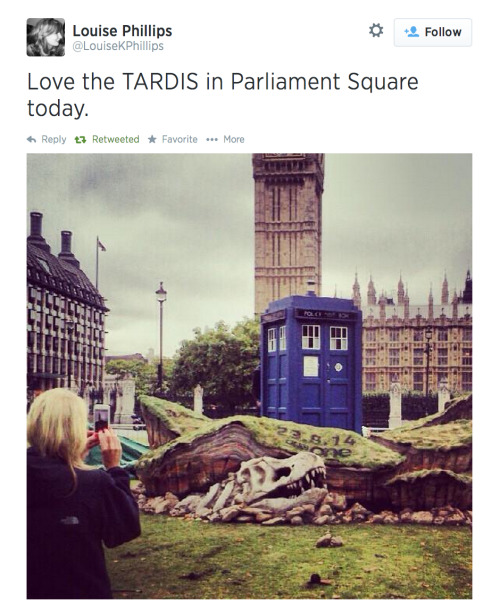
column 45, row 37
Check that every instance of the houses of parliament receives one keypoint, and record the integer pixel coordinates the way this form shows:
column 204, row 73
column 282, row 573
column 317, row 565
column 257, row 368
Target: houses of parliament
column 419, row 345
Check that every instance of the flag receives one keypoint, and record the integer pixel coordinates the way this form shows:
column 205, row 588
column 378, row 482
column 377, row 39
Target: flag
column 101, row 245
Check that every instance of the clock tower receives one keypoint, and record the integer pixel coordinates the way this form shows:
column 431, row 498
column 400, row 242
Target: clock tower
column 288, row 193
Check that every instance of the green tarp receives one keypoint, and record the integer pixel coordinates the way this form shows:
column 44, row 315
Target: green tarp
column 131, row 452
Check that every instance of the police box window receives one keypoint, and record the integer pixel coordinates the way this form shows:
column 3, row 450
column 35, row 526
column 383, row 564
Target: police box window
column 271, row 340
column 338, row 338
column 282, row 338
column 310, row 336
column 45, row 37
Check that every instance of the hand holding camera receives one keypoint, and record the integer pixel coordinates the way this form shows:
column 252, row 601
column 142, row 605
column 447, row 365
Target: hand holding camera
column 111, row 448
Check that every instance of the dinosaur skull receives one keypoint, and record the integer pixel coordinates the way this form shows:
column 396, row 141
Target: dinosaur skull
column 267, row 477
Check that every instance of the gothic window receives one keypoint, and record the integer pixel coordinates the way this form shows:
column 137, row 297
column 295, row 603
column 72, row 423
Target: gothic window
column 418, row 357
column 418, row 382
column 370, row 382
column 310, row 336
column 467, row 334
column 394, row 357
column 467, row 381
column 443, row 356
column 371, row 335
column 442, row 334
column 370, row 357
column 418, row 335
column 467, row 356
column 338, row 338
column 394, row 335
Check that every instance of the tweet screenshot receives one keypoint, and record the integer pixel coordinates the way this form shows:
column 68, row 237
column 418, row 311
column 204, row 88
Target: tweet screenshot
column 249, row 374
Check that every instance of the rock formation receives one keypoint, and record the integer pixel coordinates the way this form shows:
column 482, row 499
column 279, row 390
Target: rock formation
column 437, row 470
column 422, row 465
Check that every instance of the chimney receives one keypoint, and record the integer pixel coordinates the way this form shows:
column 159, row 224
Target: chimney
column 66, row 253
column 35, row 237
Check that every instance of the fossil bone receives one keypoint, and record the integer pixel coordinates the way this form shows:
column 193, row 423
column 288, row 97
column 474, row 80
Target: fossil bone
column 267, row 477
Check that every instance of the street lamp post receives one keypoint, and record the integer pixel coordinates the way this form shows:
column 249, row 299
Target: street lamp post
column 161, row 295
column 70, row 325
column 428, row 350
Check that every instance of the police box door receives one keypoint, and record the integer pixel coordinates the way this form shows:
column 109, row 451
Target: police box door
column 338, row 389
column 326, row 396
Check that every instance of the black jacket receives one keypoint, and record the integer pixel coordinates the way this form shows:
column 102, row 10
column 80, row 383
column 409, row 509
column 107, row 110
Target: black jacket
column 66, row 530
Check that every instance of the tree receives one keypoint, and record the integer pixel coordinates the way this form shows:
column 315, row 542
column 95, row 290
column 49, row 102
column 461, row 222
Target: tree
column 144, row 373
column 222, row 360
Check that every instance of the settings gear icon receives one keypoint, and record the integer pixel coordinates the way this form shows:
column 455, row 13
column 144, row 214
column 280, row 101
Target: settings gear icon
column 376, row 30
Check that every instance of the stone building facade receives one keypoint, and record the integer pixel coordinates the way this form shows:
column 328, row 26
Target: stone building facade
column 288, row 194
column 395, row 344
column 65, row 320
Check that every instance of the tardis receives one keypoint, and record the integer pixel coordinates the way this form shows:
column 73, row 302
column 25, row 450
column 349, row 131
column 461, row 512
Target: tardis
column 310, row 354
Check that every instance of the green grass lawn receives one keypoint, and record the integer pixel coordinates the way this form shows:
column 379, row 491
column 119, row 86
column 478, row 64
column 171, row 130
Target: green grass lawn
column 178, row 559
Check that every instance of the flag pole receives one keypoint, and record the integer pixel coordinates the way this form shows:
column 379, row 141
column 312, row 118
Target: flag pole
column 97, row 263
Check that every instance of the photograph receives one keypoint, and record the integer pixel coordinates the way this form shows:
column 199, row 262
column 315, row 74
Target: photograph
column 272, row 357
column 45, row 37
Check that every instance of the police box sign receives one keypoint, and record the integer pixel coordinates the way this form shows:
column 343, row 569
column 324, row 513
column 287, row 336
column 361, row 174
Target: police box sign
column 316, row 314
column 274, row 316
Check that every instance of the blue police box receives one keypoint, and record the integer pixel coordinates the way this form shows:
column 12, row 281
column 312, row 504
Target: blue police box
column 310, row 354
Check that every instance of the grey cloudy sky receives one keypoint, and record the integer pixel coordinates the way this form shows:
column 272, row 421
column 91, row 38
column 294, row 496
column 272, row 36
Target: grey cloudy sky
column 188, row 220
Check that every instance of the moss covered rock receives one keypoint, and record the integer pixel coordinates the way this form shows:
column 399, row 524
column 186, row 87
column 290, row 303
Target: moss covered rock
column 200, row 451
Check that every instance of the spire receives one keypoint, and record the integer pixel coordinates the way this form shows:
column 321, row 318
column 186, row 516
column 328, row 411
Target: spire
column 445, row 294
column 372, row 295
column 430, row 314
column 406, row 305
column 401, row 290
column 467, row 295
column 455, row 306
column 356, row 293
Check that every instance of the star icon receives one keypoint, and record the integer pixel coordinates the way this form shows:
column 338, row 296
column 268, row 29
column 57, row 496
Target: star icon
column 152, row 140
